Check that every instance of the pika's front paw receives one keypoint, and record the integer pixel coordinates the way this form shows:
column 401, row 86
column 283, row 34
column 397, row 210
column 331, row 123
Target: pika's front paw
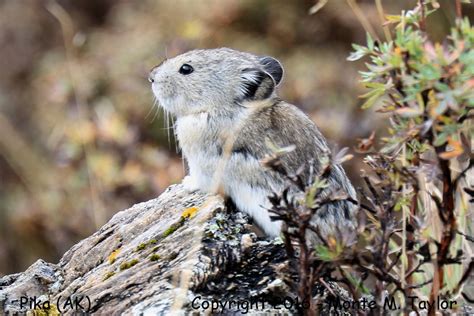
column 190, row 184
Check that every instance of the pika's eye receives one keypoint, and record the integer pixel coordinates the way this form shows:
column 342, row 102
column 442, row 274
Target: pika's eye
column 186, row 69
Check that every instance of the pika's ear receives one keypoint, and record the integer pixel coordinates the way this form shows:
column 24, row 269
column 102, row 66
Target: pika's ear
column 273, row 67
column 256, row 84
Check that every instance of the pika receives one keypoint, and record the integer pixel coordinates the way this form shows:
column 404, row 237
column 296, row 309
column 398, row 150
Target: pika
column 213, row 95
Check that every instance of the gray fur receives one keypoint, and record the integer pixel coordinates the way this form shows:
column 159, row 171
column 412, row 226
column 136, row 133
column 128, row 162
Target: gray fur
column 231, row 95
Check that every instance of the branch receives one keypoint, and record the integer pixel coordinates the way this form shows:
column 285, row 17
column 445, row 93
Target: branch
column 458, row 9
column 421, row 3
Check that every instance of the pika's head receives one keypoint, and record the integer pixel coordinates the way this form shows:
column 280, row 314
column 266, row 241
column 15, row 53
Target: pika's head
column 214, row 81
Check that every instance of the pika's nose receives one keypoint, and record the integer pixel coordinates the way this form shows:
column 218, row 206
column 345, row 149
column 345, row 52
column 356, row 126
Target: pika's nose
column 151, row 76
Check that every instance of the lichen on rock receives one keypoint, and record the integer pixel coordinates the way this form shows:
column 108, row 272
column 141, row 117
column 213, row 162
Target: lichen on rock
column 135, row 265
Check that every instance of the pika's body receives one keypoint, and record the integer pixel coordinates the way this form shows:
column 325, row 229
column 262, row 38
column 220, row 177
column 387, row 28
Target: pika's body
column 227, row 112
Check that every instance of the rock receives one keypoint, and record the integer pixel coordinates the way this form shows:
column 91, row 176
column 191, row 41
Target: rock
column 180, row 252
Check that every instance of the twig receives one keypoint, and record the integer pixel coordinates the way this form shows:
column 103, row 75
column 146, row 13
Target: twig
column 469, row 238
column 305, row 275
column 321, row 280
column 458, row 9
column 414, row 269
column 470, row 300
column 411, row 237
column 421, row 3
column 417, row 286
column 362, row 19
column 386, row 31
column 449, row 229
column 462, row 174
column 390, row 267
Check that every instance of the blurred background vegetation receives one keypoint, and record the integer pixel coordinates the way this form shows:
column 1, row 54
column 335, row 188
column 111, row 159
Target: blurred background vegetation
column 79, row 136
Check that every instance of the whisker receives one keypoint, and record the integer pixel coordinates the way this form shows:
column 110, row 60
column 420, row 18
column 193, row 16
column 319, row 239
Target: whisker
column 168, row 128
column 157, row 110
column 174, row 135
column 149, row 111
column 152, row 107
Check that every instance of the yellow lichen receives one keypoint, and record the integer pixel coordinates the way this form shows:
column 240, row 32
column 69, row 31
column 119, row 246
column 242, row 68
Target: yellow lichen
column 113, row 256
column 190, row 212
column 51, row 311
column 108, row 275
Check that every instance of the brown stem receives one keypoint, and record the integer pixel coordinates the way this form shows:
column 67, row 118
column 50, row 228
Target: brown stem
column 410, row 235
column 423, row 15
column 306, row 277
column 458, row 9
column 449, row 228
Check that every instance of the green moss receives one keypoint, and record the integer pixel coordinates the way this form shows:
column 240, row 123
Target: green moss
column 144, row 245
column 155, row 249
column 173, row 227
column 108, row 275
column 141, row 246
column 155, row 257
column 128, row 264
column 178, row 224
column 169, row 231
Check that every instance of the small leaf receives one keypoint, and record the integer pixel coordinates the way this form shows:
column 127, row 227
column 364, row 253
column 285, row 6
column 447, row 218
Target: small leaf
column 409, row 112
column 457, row 149
column 356, row 55
column 390, row 19
column 440, row 139
column 370, row 42
column 372, row 99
